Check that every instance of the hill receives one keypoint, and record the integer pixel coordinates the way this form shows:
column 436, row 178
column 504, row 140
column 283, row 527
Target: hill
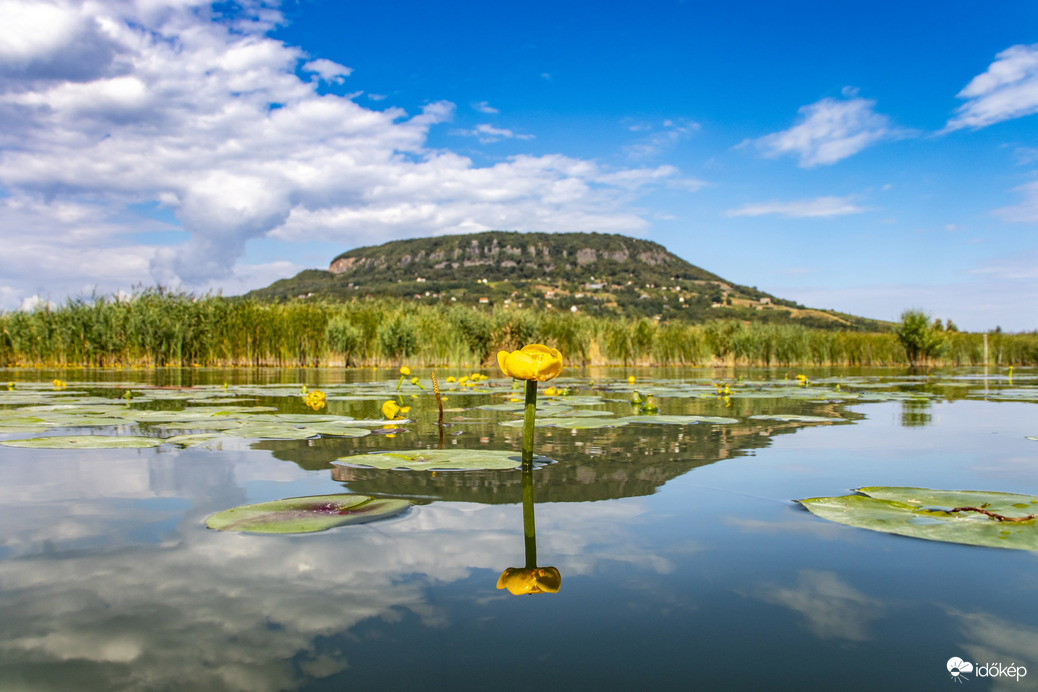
column 594, row 273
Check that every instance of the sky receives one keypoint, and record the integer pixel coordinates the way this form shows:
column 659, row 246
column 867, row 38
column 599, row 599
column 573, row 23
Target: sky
column 867, row 157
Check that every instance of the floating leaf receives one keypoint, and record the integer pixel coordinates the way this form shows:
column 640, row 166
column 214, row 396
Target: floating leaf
column 306, row 514
column 206, row 424
column 924, row 513
column 192, row 440
column 584, row 413
column 338, row 429
column 272, row 431
column 440, row 460
column 571, row 422
column 84, row 442
column 679, row 420
column 546, row 408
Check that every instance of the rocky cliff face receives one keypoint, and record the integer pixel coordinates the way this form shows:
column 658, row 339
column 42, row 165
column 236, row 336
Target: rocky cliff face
column 504, row 254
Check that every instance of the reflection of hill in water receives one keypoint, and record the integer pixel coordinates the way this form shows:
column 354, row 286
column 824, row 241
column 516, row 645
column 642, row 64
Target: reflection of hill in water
column 596, row 464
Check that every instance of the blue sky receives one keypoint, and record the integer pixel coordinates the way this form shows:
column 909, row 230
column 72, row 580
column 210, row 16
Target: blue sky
column 866, row 157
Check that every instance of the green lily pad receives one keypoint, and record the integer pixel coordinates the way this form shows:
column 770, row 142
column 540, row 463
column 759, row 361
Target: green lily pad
column 338, row 430
column 440, row 460
column 306, row 514
column 571, row 422
column 271, row 431
column 925, row 513
column 204, row 424
column 679, row 420
column 84, row 442
column 545, row 407
column 66, row 420
column 192, row 440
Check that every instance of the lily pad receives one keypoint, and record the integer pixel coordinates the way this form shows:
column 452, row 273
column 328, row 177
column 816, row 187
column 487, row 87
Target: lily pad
column 545, row 408
column 306, row 514
column 195, row 440
column 84, row 442
column 338, row 430
column 980, row 518
column 571, row 422
column 440, row 460
column 272, row 431
column 679, row 420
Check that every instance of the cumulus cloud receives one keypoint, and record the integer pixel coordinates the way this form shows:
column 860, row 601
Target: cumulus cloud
column 821, row 207
column 328, row 71
column 107, row 107
column 484, row 107
column 1008, row 89
column 830, row 130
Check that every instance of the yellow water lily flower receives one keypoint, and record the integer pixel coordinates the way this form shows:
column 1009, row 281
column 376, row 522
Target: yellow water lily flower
column 58, row 384
column 390, row 408
column 315, row 399
column 404, row 370
column 451, row 379
column 630, row 379
column 520, row 581
column 531, row 362
column 463, row 379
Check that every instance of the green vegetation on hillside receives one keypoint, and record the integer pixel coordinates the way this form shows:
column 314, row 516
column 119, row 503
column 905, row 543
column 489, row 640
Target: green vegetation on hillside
column 163, row 328
column 596, row 274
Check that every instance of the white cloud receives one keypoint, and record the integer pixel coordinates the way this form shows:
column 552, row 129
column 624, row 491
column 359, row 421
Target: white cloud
column 830, row 130
column 1027, row 210
column 831, row 608
column 158, row 589
column 163, row 103
column 488, row 134
column 484, row 107
column 1008, row 89
column 659, row 138
column 33, row 303
column 821, row 207
column 328, row 71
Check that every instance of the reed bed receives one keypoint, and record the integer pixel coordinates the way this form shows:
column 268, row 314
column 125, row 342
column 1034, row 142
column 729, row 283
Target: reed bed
column 158, row 327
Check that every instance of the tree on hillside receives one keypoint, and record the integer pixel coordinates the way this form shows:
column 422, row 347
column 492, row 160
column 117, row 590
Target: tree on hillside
column 921, row 339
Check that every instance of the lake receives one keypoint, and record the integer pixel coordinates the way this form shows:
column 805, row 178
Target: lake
column 684, row 561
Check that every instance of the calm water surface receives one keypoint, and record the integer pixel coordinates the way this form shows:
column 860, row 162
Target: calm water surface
column 684, row 562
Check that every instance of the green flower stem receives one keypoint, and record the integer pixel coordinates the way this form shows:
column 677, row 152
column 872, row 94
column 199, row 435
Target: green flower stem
column 529, row 531
column 531, row 404
column 399, row 382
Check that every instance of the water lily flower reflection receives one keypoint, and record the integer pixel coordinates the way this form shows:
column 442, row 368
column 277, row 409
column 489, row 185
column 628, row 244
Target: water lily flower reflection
column 531, row 362
column 520, row 581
